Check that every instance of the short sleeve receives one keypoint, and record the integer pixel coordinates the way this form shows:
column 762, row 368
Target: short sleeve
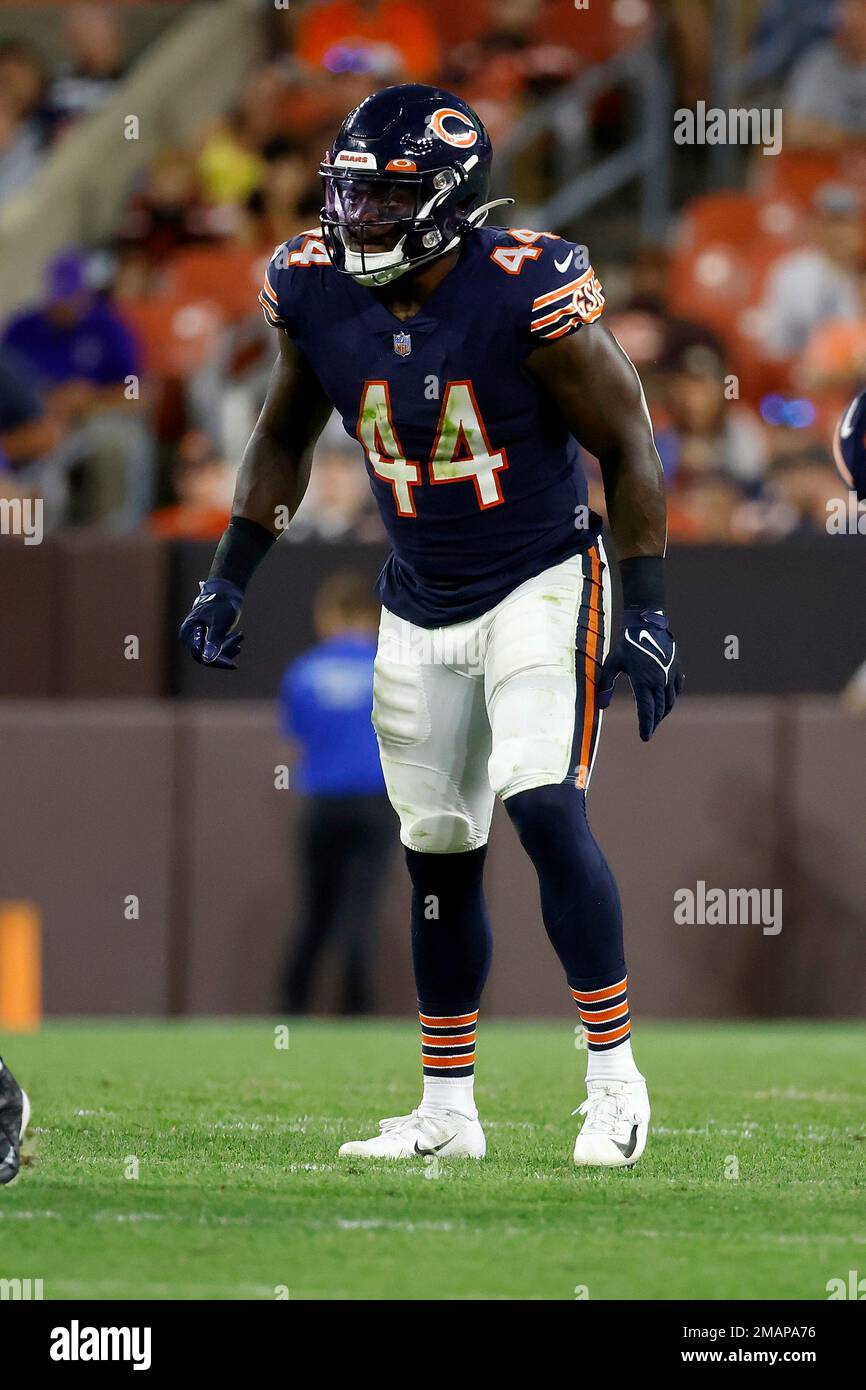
column 283, row 282
column 565, row 292
column 269, row 294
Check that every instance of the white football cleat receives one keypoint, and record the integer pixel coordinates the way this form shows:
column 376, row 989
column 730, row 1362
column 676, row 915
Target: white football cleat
column 614, row 1132
column 447, row 1134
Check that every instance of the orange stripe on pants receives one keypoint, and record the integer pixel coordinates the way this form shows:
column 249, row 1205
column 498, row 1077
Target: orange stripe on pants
column 589, row 665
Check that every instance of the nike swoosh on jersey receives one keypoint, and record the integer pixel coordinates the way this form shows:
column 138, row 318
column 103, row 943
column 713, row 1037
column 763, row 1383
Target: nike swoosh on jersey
column 563, row 265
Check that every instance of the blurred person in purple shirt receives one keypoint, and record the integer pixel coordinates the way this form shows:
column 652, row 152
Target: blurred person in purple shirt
column 77, row 346
column 85, row 363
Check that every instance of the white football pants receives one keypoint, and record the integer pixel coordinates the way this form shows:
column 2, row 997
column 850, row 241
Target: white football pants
column 492, row 706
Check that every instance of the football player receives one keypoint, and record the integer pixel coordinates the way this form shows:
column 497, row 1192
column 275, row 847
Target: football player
column 849, row 446
column 14, row 1119
column 849, row 451
column 469, row 361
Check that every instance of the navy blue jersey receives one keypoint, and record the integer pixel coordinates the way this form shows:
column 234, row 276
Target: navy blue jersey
column 475, row 472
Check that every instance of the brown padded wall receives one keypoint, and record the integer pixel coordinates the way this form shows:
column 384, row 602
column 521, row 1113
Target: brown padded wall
column 692, row 804
column 112, row 589
column 242, row 883
column 30, row 662
column 176, row 801
column 67, row 606
column 85, row 820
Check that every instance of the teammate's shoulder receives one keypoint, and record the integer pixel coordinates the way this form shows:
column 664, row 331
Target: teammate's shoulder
column 549, row 279
column 289, row 269
column 849, row 446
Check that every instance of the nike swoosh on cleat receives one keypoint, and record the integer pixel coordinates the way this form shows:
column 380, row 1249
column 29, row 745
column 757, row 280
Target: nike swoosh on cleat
column 628, row 1149
column 425, row 1153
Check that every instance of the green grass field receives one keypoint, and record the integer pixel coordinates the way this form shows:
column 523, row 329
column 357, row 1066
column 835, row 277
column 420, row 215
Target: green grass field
column 240, row 1193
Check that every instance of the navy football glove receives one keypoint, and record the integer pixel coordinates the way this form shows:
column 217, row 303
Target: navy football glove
column 208, row 630
column 647, row 653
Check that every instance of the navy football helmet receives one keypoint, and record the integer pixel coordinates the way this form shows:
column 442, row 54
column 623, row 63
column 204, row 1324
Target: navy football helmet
column 849, row 446
column 404, row 181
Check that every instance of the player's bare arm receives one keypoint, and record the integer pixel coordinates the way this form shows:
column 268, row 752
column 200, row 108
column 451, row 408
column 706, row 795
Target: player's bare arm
column 271, row 483
column 275, row 469
column 598, row 393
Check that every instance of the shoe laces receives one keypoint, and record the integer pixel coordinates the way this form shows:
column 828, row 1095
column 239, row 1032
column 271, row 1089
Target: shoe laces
column 398, row 1122
column 430, row 1125
column 605, row 1111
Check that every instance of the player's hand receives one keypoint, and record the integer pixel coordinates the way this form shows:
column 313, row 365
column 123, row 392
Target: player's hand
column 647, row 653
column 209, row 629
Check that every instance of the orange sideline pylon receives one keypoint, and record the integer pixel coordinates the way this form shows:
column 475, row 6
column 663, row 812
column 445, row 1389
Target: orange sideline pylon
column 20, row 966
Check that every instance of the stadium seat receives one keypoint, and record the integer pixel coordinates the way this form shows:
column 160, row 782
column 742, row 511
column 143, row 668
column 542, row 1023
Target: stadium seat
column 727, row 244
column 176, row 333
column 457, row 22
column 728, row 217
column 597, row 32
column 740, row 219
column 594, row 33
column 230, row 276
column 796, row 174
column 720, row 284
column 718, row 278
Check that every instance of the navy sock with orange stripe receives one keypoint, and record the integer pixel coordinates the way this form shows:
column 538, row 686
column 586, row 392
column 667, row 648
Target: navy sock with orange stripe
column 603, row 1008
column 448, row 1060
column 580, row 907
column 451, row 948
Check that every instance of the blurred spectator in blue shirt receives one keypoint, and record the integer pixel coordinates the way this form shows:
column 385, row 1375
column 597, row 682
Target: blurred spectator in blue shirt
column 347, row 827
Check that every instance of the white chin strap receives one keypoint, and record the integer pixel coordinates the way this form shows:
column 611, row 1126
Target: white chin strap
column 376, row 267
column 381, row 267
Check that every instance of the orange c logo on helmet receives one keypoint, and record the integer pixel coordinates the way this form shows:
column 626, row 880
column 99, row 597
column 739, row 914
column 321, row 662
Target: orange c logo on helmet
column 463, row 139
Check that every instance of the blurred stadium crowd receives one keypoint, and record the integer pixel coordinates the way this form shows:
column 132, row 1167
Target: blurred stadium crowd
column 747, row 321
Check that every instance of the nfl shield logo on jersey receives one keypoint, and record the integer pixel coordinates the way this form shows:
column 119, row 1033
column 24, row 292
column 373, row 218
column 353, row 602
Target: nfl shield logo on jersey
column 402, row 344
